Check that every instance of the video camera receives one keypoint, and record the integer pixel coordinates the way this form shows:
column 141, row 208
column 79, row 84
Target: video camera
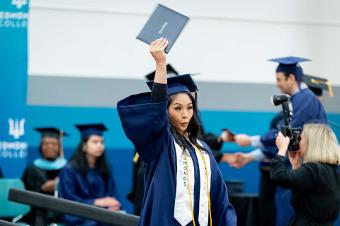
column 294, row 134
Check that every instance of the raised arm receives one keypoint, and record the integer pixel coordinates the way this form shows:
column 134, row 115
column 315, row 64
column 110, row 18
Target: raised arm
column 145, row 119
column 157, row 51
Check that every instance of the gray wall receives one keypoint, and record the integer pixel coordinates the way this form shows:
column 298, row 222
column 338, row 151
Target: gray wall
column 106, row 92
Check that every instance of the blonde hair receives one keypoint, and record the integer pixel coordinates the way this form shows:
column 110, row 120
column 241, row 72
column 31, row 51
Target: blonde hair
column 322, row 145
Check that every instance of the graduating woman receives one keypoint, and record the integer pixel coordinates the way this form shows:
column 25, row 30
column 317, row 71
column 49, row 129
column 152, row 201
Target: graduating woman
column 314, row 178
column 183, row 184
column 87, row 178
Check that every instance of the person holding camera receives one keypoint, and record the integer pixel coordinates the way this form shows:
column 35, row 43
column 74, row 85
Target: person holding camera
column 314, row 178
column 305, row 107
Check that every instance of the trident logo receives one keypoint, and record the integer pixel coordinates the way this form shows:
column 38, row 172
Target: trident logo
column 16, row 128
column 19, row 3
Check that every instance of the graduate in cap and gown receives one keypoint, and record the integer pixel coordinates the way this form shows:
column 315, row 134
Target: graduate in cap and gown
column 87, row 177
column 183, row 184
column 42, row 175
column 138, row 173
column 214, row 142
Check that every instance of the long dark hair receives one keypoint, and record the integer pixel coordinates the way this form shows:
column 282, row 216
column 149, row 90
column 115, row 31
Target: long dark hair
column 79, row 161
column 193, row 129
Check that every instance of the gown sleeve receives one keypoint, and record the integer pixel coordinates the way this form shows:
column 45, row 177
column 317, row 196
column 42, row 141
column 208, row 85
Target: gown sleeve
column 145, row 123
column 69, row 189
column 112, row 188
column 68, row 186
column 306, row 109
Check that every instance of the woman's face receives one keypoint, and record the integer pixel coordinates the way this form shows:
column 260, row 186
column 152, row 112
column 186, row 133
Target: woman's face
column 303, row 145
column 94, row 147
column 181, row 110
column 50, row 148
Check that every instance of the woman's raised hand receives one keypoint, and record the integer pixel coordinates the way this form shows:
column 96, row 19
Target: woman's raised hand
column 157, row 48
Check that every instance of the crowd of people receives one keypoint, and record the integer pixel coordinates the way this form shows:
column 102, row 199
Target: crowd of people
column 176, row 179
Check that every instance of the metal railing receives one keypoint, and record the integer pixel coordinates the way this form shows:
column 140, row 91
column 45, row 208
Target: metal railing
column 6, row 223
column 43, row 203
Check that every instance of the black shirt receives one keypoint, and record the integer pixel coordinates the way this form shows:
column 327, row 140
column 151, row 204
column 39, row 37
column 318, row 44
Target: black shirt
column 315, row 191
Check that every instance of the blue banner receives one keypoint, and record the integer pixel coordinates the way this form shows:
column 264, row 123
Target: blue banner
column 13, row 86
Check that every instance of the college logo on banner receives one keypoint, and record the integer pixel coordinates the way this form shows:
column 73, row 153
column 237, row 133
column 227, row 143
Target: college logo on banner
column 13, row 86
column 16, row 128
column 16, row 148
column 14, row 16
column 19, row 3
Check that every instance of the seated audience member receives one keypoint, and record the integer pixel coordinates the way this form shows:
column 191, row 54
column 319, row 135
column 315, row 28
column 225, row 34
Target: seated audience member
column 314, row 178
column 42, row 175
column 87, row 177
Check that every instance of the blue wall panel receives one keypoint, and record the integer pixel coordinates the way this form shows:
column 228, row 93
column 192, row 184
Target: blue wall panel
column 120, row 149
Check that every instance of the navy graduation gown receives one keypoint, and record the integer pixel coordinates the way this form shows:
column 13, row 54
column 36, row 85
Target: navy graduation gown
column 306, row 109
column 33, row 178
column 84, row 189
column 146, row 124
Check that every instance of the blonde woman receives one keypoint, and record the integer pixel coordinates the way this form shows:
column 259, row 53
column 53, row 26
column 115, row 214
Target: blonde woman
column 314, row 178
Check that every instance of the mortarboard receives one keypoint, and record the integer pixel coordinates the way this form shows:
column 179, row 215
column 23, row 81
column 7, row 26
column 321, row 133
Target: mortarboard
column 179, row 84
column 171, row 72
column 290, row 65
column 87, row 130
column 317, row 84
column 51, row 132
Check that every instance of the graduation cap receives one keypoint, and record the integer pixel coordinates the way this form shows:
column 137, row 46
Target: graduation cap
column 179, row 84
column 87, row 130
column 290, row 65
column 317, row 84
column 171, row 72
column 51, row 132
